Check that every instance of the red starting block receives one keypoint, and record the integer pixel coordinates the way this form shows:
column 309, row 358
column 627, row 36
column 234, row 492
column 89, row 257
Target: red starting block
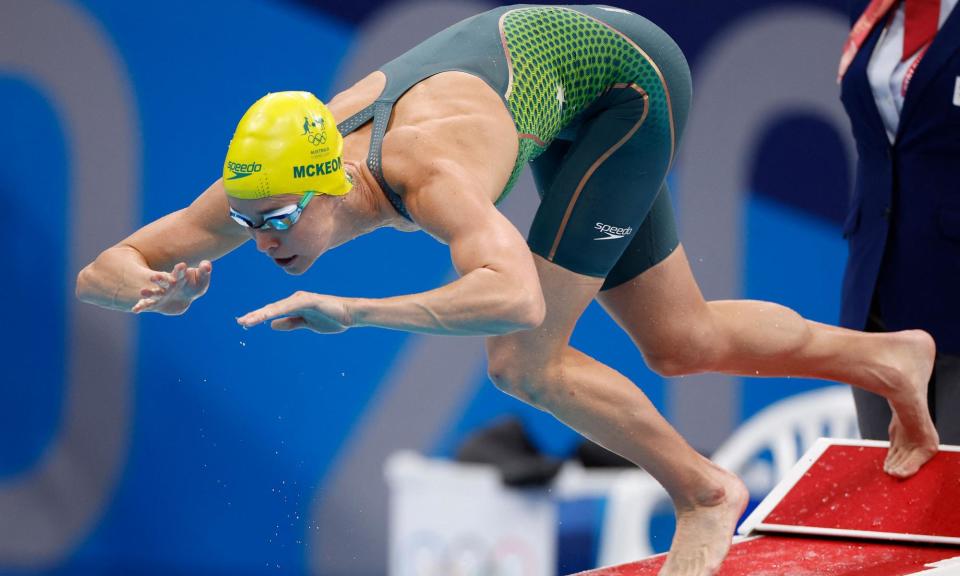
column 837, row 513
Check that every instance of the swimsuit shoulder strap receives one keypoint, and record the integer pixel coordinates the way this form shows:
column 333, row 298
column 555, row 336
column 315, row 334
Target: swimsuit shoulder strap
column 379, row 112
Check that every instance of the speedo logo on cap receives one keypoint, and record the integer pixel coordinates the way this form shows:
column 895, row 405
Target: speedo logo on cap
column 612, row 232
column 243, row 170
column 318, row 169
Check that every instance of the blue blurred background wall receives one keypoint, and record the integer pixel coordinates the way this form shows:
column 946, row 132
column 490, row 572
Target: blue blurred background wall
column 157, row 445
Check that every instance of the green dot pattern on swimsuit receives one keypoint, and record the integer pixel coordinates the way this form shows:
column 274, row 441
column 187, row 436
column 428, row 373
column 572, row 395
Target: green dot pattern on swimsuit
column 562, row 61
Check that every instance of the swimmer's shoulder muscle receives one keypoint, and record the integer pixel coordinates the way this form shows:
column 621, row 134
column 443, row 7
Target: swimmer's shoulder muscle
column 453, row 119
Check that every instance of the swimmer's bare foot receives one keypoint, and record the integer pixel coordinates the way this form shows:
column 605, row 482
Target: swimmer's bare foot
column 913, row 437
column 705, row 529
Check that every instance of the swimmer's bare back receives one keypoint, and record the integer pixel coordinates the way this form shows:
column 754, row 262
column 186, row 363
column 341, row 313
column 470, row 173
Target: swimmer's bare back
column 449, row 121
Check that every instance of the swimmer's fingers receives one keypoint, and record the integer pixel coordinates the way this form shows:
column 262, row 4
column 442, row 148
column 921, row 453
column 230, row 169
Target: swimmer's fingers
column 199, row 278
column 143, row 305
column 153, row 292
column 179, row 271
column 279, row 308
column 200, row 274
column 288, row 323
column 320, row 313
column 166, row 280
column 150, row 296
column 163, row 279
column 173, row 292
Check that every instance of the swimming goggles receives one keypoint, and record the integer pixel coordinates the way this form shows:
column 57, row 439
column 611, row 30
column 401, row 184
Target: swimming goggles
column 280, row 219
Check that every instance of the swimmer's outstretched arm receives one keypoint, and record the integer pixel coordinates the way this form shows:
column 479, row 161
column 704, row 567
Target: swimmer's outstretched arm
column 498, row 290
column 165, row 265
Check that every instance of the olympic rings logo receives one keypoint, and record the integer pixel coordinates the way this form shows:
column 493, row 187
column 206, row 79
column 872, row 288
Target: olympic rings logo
column 430, row 554
column 317, row 140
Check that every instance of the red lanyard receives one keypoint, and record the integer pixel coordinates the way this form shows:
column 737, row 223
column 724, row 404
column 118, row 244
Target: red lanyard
column 913, row 68
column 920, row 23
column 875, row 11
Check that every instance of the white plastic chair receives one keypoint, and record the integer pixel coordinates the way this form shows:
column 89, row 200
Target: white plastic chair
column 786, row 430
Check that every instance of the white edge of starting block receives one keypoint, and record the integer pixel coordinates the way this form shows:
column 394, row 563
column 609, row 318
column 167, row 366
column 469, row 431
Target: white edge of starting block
column 755, row 522
column 859, row 534
column 784, row 486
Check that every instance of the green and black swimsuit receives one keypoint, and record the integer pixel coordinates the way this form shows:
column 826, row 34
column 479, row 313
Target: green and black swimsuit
column 599, row 97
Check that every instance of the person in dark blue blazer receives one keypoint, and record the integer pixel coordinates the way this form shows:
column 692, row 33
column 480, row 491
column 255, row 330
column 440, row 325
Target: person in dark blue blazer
column 901, row 89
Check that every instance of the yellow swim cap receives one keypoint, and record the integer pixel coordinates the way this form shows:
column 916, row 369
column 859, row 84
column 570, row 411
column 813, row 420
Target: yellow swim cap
column 286, row 143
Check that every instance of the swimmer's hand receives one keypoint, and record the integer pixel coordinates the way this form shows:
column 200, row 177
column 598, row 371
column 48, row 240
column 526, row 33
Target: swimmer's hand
column 317, row 312
column 174, row 291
